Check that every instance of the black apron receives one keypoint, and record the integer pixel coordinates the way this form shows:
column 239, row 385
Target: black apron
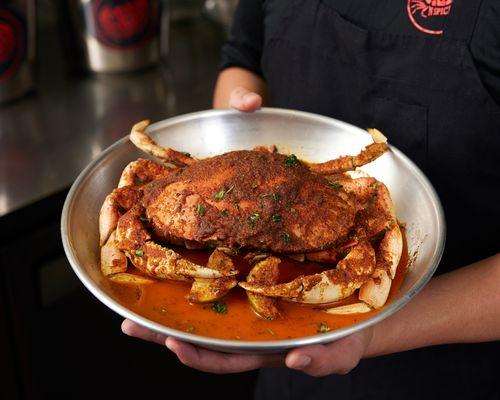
column 425, row 94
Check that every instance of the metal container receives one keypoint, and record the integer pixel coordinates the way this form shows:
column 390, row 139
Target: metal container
column 17, row 48
column 118, row 35
column 309, row 136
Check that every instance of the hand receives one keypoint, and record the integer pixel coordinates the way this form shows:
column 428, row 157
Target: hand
column 244, row 100
column 339, row 357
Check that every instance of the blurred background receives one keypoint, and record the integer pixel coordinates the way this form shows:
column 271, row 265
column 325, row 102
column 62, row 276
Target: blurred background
column 74, row 76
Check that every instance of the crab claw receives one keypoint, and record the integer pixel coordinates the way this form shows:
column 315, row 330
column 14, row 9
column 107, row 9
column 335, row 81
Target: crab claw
column 375, row 291
column 327, row 286
column 207, row 290
column 264, row 272
column 163, row 263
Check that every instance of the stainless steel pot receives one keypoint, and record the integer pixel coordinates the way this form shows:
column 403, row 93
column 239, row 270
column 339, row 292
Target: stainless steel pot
column 118, row 35
column 309, row 136
column 17, row 48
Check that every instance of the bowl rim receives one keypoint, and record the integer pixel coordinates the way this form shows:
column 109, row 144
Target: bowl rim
column 243, row 346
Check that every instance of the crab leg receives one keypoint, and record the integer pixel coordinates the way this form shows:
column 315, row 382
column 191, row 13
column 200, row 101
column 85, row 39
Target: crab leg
column 108, row 218
column 139, row 138
column 328, row 286
column 113, row 261
column 143, row 171
column 135, row 174
column 349, row 163
column 378, row 215
column 154, row 259
column 114, row 264
column 121, row 198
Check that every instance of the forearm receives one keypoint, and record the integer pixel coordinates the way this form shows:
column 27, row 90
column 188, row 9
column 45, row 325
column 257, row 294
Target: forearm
column 232, row 78
column 459, row 307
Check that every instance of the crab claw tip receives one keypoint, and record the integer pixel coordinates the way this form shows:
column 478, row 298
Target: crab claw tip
column 377, row 136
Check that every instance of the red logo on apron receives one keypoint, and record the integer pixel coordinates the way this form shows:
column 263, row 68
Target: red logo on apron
column 428, row 15
column 124, row 23
column 12, row 43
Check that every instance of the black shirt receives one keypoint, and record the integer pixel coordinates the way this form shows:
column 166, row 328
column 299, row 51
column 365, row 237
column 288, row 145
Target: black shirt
column 427, row 73
column 256, row 20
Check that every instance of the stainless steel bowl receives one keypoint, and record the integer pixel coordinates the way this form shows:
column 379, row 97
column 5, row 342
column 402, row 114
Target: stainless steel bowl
column 309, row 136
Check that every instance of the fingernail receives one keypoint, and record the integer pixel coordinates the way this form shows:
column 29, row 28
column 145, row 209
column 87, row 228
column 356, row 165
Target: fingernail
column 301, row 362
column 126, row 327
column 248, row 97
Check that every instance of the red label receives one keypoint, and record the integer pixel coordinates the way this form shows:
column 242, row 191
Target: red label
column 124, row 24
column 428, row 15
column 12, row 43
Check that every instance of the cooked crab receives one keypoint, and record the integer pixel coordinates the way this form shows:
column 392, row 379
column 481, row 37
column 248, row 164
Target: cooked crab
column 262, row 201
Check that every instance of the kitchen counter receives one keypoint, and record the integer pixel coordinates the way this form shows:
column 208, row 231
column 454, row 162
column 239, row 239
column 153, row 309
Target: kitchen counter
column 50, row 135
column 46, row 139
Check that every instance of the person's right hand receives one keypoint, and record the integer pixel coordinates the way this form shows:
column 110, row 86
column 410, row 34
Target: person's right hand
column 243, row 99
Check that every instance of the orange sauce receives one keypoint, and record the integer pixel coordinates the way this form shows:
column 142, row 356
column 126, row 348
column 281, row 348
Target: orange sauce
column 165, row 302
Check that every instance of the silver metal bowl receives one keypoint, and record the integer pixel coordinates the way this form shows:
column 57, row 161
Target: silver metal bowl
column 310, row 137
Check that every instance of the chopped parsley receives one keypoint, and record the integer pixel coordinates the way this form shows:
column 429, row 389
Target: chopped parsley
column 219, row 307
column 236, row 204
column 139, row 253
column 276, row 218
column 291, row 160
column 222, row 193
column 254, row 185
column 252, row 218
column 144, row 219
column 326, row 245
column 224, row 212
column 151, row 185
column 286, row 237
column 276, row 196
column 201, row 209
column 323, row 327
column 334, row 185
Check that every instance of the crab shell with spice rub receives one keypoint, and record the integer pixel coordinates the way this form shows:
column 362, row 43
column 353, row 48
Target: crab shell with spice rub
column 258, row 200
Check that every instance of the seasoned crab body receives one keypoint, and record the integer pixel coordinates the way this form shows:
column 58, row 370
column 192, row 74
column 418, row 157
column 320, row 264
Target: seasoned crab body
column 250, row 199
column 260, row 200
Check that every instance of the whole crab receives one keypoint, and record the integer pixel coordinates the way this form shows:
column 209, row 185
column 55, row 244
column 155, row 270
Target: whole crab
column 262, row 201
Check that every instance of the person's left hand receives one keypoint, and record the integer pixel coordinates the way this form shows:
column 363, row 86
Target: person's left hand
column 338, row 357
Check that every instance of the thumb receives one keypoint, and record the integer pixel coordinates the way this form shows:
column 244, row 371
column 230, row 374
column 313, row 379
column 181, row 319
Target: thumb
column 339, row 357
column 244, row 100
